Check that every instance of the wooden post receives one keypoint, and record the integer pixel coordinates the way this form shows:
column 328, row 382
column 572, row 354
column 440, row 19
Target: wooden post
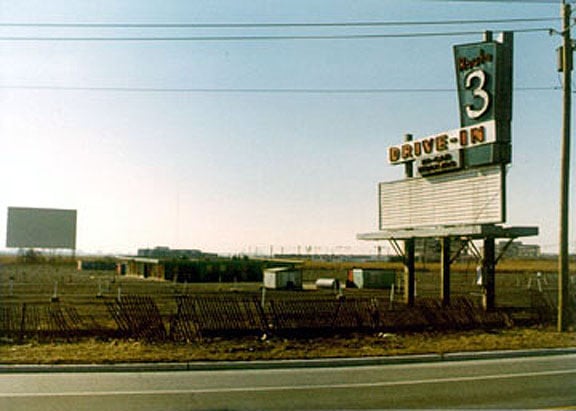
column 564, row 304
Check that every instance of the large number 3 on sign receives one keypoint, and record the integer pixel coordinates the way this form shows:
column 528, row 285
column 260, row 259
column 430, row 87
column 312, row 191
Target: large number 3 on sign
column 478, row 92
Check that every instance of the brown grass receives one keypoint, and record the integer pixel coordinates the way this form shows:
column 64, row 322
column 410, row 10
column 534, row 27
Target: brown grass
column 93, row 351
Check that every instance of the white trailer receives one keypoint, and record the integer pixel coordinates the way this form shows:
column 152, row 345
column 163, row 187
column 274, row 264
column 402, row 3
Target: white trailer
column 372, row 278
column 282, row 278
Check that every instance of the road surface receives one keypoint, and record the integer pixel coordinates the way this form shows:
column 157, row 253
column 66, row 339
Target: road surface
column 520, row 383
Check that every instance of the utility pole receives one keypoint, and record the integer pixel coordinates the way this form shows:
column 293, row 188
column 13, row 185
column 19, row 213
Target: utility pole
column 563, row 258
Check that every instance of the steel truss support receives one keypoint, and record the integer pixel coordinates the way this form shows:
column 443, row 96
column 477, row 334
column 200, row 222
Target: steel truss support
column 396, row 247
column 487, row 258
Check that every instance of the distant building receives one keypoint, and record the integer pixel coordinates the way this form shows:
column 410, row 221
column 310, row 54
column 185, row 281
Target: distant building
column 96, row 265
column 166, row 252
column 199, row 270
column 430, row 249
column 518, row 250
column 333, row 257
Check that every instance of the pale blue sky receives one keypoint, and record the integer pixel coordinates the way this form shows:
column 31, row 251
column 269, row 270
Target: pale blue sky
column 239, row 172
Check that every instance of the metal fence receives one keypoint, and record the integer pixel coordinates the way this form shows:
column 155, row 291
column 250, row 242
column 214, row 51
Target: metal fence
column 198, row 316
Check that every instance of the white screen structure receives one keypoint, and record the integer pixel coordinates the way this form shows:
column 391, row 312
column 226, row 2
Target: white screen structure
column 41, row 228
column 472, row 196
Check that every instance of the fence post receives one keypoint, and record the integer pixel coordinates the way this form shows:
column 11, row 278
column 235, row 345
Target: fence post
column 99, row 295
column 54, row 297
column 22, row 323
column 263, row 300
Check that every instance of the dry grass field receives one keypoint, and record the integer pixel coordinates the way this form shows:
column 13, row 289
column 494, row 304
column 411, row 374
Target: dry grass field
column 74, row 316
column 113, row 351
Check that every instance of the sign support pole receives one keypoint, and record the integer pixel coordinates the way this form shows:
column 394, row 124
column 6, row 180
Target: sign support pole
column 409, row 246
column 489, row 274
column 563, row 258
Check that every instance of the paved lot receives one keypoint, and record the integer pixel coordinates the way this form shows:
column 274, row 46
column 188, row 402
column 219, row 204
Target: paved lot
column 522, row 382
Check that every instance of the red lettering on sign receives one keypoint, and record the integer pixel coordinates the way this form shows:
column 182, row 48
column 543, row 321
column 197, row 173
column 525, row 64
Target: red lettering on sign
column 417, row 149
column 477, row 135
column 465, row 63
column 406, row 151
column 464, row 138
column 442, row 143
column 428, row 145
column 393, row 154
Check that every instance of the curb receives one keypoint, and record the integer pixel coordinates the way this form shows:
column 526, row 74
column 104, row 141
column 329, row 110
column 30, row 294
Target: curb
column 281, row 364
column 493, row 355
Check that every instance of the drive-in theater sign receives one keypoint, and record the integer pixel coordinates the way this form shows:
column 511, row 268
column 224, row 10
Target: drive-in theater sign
column 456, row 180
column 464, row 168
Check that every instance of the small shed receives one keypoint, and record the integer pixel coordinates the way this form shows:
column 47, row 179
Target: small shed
column 372, row 278
column 141, row 267
column 285, row 278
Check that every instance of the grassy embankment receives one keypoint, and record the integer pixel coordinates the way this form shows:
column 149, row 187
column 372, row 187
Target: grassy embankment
column 93, row 351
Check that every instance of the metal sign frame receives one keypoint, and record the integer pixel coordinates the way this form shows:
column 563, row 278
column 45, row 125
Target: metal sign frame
column 473, row 196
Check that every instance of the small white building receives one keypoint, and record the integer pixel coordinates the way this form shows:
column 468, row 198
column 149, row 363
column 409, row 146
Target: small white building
column 366, row 278
column 283, row 278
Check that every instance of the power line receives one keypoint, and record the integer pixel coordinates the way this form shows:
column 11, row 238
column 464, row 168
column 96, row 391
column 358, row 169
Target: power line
column 257, row 90
column 502, row 1
column 281, row 25
column 261, row 38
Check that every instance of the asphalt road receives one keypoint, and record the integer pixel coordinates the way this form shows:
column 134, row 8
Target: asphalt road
column 520, row 383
